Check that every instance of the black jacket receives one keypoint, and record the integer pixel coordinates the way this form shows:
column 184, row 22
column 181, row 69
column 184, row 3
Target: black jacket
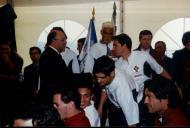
column 54, row 73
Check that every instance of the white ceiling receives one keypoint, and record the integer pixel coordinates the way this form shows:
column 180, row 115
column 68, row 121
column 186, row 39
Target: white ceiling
column 53, row 2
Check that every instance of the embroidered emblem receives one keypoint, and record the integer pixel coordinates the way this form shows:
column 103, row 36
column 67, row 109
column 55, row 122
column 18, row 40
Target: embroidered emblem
column 136, row 68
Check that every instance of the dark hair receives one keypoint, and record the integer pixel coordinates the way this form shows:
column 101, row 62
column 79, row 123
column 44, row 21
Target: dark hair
column 162, row 42
column 46, row 115
column 69, row 94
column 40, row 113
column 186, row 38
column 84, row 80
column 144, row 32
column 124, row 39
column 59, row 29
column 104, row 65
column 81, row 40
column 164, row 89
column 50, row 37
column 35, row 48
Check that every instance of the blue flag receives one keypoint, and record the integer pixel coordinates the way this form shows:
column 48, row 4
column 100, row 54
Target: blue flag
column 84, row 57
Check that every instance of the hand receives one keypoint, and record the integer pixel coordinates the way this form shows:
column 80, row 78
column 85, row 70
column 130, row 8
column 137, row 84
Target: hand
column 100, row 111
column 180, row 92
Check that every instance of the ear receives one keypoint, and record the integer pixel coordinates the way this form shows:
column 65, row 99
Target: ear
column 164, row 103
column 112, row 73
column 92, row 96
column 70, row 105
column 101, row 31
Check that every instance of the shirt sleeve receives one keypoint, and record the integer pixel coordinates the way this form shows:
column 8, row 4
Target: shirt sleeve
column 75, row 65
column 153, row 64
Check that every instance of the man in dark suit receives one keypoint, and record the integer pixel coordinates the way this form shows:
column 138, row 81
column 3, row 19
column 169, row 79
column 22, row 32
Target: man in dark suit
column 31, row 74
column 180, row 57
column 53, row 70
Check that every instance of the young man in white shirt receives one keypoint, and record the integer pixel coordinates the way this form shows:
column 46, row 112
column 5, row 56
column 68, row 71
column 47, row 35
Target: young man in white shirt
column 84, row 84
column 133, row 63
column 117, row 87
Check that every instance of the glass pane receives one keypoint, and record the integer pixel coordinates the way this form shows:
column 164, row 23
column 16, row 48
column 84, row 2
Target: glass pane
column 171, row 33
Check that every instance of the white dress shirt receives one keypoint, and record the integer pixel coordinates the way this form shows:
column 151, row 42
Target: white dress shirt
column 120, row 95
column 92, row 115
column 68, row 56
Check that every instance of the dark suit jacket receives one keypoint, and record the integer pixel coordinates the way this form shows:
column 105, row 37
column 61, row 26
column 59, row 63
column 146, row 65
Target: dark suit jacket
column 53, row 72
column 31, row 77
column 179, row 59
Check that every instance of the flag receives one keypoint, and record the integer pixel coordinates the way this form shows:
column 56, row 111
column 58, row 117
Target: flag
column 113, row 19
column 85, row 59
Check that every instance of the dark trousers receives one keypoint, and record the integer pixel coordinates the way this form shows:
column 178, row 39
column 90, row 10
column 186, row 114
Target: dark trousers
column 116, row 116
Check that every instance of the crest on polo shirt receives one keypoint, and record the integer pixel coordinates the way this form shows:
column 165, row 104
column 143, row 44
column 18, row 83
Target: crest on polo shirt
column 136, row 68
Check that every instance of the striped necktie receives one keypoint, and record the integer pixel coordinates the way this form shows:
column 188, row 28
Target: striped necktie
column 108, row 50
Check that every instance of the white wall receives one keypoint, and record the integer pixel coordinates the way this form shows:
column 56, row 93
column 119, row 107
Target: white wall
column 139, row 14
column 152, row 14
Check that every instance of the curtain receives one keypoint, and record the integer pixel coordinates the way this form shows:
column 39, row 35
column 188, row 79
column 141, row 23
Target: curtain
column 7, row 26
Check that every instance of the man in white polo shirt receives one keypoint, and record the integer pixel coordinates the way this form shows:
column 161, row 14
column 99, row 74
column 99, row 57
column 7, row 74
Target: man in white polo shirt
column 133, row 62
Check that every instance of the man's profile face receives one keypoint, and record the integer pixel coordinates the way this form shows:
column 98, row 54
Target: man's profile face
column 154, row 104
column 60, row 106
column 117, row 48
column 60, row 41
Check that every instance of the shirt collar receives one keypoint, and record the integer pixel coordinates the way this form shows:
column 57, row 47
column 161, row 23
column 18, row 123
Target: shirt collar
column 54, row 49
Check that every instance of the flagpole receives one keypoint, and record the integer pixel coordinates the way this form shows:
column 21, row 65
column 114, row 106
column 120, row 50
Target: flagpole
column 93, row 13
column 113, row 20
column 121, row 16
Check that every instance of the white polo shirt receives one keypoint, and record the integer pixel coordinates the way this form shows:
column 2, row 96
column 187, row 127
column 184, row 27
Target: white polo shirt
column 68, row 56
column 92, row 115
column 134, row 66
column 98, row 49
column 120, row 95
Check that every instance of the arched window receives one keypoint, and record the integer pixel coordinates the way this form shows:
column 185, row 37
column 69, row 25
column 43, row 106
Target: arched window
column 171, row 33
column 73, row 30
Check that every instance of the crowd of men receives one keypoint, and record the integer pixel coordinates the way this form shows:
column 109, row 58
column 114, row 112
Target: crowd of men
column 123, row 87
